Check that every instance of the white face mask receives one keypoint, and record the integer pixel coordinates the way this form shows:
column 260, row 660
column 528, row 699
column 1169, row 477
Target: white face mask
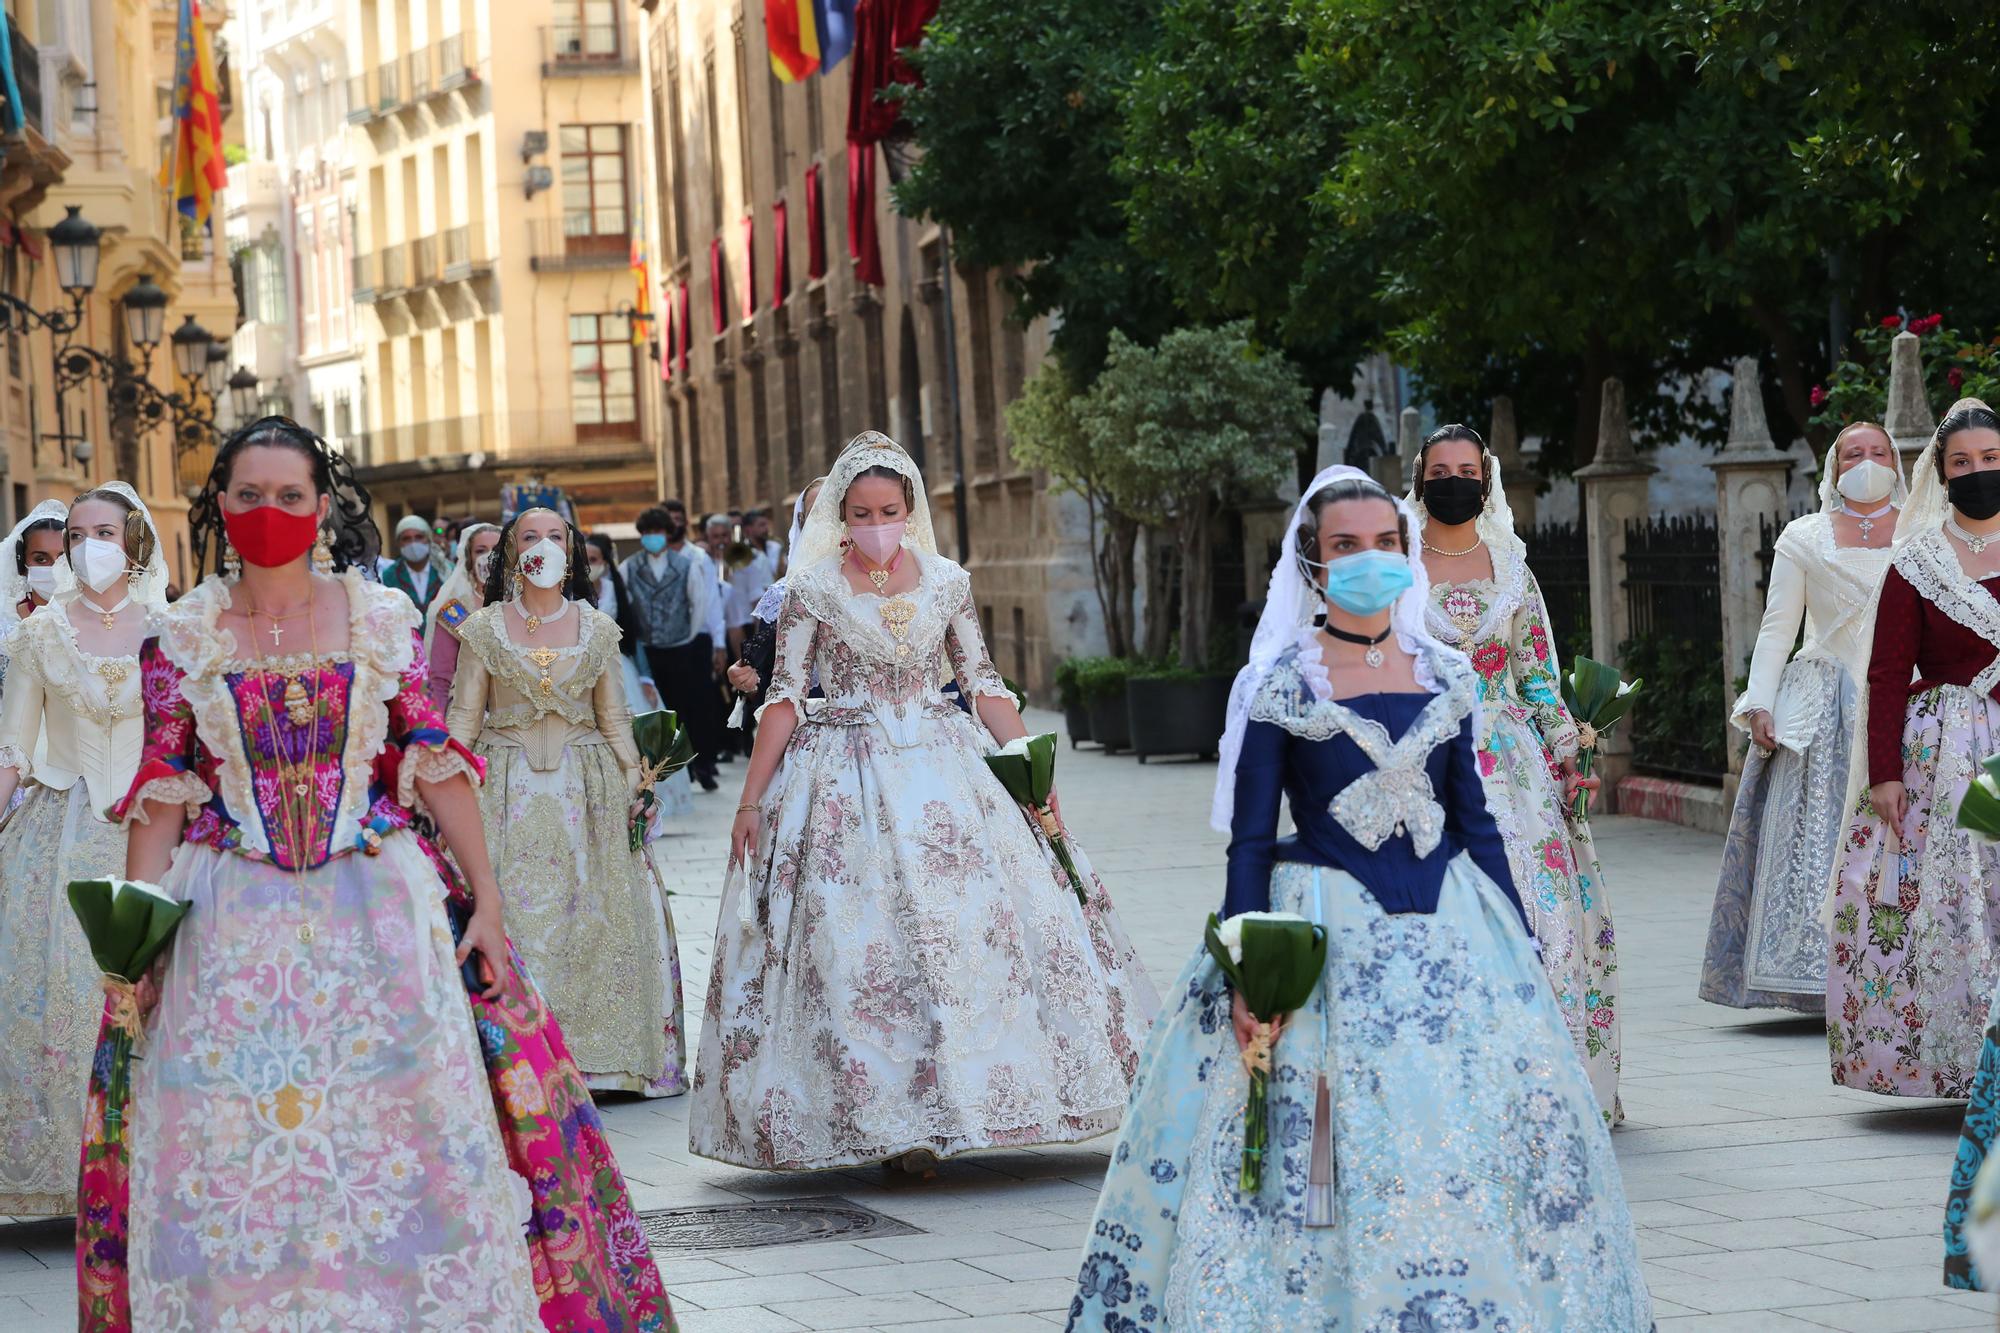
column 98, row 563
column 482, row 567
column 42, row 581
column 1867, row 482
column 416, row 552
column 545, row 564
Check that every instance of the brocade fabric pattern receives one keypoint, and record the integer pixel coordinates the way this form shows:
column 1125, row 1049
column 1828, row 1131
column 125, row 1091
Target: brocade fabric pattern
column 903, row 965
column 1524, row 734
column 1474, row 1181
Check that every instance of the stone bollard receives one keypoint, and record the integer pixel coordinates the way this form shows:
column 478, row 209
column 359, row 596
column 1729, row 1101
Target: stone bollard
column 1908, row 417
column 1750, row 477
column 1504, row 439
column 1614, row 490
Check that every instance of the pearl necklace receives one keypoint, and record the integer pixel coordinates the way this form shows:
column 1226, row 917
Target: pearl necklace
column 1450, row 555
column 1973, row 541
column 1867, row 521
column 535, row 622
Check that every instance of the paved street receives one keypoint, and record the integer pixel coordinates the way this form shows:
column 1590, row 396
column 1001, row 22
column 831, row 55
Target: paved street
column 1768, row 1200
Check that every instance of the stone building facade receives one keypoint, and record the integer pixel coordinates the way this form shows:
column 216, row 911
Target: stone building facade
column 801, row 362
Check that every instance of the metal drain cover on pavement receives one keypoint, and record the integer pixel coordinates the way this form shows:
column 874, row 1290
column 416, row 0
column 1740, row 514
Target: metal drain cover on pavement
column 746, row 1226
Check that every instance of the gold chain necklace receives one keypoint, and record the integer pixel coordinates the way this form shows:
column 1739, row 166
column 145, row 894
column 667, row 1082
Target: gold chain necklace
column 298, row 814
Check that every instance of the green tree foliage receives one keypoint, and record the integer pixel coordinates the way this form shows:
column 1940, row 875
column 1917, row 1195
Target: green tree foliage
column 1019, row 119
column 1179, row 429
column 1956, row 365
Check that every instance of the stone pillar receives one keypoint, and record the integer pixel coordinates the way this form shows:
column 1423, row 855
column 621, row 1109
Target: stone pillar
column 1750, row 477
column 1614, row 490
column 1504, row 439
column 1908, row 417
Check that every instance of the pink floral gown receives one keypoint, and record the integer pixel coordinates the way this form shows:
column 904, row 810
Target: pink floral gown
column 309, row 1144
column 1524, row 735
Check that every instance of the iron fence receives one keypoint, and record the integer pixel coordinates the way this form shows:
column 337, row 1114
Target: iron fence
column 1559, row 556
column 1673, row 595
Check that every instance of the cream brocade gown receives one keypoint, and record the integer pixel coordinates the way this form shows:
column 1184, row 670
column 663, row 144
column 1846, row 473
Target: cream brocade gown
column 1524, row 733
column 902, row 965
column 85, row 711
column 587, row 913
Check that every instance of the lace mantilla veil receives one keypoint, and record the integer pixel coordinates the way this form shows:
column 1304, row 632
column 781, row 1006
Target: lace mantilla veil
column 1290, row 606
column 150, row 591
column 824, row 528
column 13, row 585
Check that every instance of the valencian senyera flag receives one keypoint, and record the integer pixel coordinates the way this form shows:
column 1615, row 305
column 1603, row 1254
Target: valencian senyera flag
column 642, row 296
column 792, row 33
column 194, row 169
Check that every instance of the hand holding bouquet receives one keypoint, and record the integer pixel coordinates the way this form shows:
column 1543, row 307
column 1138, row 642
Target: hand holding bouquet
column 1979, row 812
column 1272, row 960
column 127, row 924
column 664, row 750
column 1027, row 769
column 1598, row 700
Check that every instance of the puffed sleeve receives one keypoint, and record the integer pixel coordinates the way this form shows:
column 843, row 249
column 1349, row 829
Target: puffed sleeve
column 420, row 747
column 1891, row 659
column 169, row 761
column 469, row 687
column 1470, row 822
column 1253, row 827
column 965, row 645
column 1784, row 611
column 21, row 709
column 1535, row 672
column 791, row 668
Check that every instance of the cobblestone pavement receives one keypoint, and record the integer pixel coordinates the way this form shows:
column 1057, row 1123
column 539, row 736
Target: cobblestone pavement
column 1768, row 1199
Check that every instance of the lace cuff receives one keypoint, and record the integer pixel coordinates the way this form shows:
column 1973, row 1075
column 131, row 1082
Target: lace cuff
column 182, row 789
column 1739, row 713
column 11, row 756
column 1562, row 740
column 434, row 761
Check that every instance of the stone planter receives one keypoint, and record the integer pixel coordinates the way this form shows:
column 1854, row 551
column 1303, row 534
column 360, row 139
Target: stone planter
column 1110, row 725
column 1177, row 715
column 1076, row 721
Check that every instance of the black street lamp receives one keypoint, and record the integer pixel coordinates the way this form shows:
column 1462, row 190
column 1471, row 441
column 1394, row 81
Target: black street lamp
column 145, row 314
column 243, row 392
column 216, row 375
column 191, row 342
column 77, row 246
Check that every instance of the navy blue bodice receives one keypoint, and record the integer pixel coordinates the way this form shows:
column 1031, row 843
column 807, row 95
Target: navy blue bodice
column 1308, row 760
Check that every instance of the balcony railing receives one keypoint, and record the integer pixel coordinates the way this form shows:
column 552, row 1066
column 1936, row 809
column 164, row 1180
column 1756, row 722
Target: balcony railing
column 557, row 245
column 360, row 106
column 454, row 63
column 418, row 76
column 403, row 266
column 27, row 75
column 388, row 85
column 586, row 48
column 423, row 261
column 465, row 254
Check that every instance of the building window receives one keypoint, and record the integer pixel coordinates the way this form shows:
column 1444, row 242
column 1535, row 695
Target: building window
column 309, row 279
column 593, row 183
column 586, row 31
column 603, row 388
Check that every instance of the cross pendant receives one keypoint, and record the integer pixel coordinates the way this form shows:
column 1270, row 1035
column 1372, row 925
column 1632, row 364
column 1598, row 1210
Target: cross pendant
column 277, row 635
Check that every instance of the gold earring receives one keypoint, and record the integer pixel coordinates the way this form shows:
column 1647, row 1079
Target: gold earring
column 322, row 554
column 232, row 563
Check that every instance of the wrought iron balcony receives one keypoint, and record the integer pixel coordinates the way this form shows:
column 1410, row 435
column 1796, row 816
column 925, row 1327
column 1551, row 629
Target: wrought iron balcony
column 558, row 245
column 586, row 48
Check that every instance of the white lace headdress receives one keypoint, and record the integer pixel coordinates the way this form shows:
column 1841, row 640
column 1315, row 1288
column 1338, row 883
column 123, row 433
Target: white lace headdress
column 1290, row 606
column 820, row 538
column 150, row 588
column 462, row 583
column 1830, row 498
column 13, row 585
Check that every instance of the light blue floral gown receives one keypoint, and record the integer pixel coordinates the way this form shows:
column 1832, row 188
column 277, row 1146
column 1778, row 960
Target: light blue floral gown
column 1474, row 1182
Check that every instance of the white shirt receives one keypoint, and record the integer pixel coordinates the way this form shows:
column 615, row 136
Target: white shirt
column 746, row 588
column 708, row 614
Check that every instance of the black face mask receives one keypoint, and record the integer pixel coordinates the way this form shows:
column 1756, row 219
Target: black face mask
column 1975, row 494
column 1454, row 500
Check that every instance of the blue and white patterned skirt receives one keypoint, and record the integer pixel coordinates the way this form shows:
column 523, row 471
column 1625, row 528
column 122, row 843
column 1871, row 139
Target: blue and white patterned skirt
column 1474, row 1178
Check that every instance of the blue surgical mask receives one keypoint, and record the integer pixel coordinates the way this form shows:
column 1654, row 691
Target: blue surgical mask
column 1364, row 583
column 654, row 542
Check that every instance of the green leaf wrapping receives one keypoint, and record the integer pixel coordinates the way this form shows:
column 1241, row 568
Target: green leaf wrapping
column 1979, row 812
column 1016, row 775
column 125, row 926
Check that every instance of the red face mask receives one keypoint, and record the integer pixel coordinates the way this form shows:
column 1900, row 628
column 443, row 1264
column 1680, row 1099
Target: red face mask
column 268, row 536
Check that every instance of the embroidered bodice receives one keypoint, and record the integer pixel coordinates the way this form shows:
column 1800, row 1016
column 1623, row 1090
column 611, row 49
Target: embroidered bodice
column 1382, row 786
column 1935, row 625
column 220, row 729
column 68, row 715
column 1502, row 624
column 542, row 700
column 1828, row 588
column 877, row 659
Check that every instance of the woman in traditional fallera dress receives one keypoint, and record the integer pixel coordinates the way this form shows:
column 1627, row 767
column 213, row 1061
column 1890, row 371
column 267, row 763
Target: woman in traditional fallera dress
column 541, row 699
column 902, row 970
column 1484, row 601
column 464, row 592
column 28, row 559
column 326, row 1132
column 70, row 730
column 1767, row 934
column 1914, row 936
column 1471, row 1183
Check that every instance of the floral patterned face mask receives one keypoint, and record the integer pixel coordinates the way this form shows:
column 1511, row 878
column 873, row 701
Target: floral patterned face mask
column 545, row 563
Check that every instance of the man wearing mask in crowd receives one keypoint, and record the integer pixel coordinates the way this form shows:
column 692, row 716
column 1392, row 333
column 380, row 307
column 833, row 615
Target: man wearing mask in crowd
column 414, row 572
column 675, row 608
column 757, row 531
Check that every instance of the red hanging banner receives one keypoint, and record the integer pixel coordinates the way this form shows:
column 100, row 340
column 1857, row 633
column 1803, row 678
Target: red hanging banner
column 781, row 263
column 749, row 266
column 671, row 343
column 715, row 274
column 864, row 245
column 815, row 227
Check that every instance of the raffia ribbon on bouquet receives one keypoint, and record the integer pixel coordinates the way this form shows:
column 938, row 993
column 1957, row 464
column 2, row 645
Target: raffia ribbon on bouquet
column 125, row 1016
column 1046, row 818
column 1257, row 1051
column 1586, row 736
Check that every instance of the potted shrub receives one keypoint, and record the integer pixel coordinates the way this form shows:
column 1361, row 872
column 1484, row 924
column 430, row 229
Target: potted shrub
column 1076, row 714
column 1172, row 710
column 1101, row 683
